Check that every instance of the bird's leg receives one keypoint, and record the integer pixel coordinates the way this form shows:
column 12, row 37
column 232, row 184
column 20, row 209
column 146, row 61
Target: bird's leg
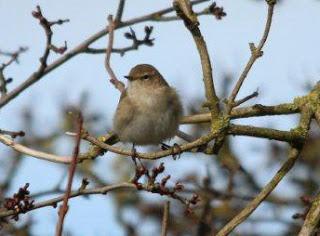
column 135, row 157
column 173, row 148
column 134, row 154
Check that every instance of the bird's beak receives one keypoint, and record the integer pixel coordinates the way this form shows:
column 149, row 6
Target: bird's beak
column 128, row 77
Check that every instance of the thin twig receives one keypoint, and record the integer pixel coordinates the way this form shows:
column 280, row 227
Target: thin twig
column 32, row 152
column 83, row 191
column 246, row 98
column 136, row 43
column 121, row 4
column 80, row 192
column 246, row 112
column 256, row 52
column 165, row 219
column 72, row 168
column 14, row 57
column 260, row 132
column 113, row 79
column 46, row 25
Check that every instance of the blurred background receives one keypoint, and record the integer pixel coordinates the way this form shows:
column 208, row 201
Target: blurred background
column 225, row 183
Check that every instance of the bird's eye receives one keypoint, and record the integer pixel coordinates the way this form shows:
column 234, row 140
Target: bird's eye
column 145, row 76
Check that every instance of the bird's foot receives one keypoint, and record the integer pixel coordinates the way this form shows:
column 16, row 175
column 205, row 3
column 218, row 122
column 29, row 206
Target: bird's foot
column 136, row 157
column 134, row 154
column 176, row 151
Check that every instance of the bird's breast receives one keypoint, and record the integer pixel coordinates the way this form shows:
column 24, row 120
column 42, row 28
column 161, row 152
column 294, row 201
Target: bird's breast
column 147, row 98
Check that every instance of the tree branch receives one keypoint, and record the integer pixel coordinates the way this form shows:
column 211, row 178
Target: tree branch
column 256, row 52
column 246, row 112
column 151, row 155
column 72, row 168
column 34, row 153
column 312, row 219
column 294, row 152
column 185, row 12
column 165, row 219
column 80, row 192
column 136, row 43
column 118, row 18
column 113, row 79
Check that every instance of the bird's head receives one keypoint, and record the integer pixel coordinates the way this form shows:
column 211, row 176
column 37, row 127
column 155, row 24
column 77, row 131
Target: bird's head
column 146, row 74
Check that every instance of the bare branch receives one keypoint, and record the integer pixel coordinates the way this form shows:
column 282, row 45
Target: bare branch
column 246, row 98
column 72, row 168
column 294, row 152
column 252, row 131
column 113, row 79
column 256, row 52
column 34, row 153
column 118, row 18
column 14, row 57
column 80, row 192
column 165, row 219
column 312, row 219
column 218, row 12
column 245, row 112
column 46, row 25
column 185, row 12
column 136, row 43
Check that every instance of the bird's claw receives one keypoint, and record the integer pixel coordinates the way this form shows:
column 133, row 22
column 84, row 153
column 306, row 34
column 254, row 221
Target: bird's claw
column 176, row 154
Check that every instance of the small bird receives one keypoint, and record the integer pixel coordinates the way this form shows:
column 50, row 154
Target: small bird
column 149, row 110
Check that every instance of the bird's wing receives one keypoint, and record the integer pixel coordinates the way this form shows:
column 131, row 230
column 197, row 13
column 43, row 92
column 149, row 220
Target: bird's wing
column 125, row 111
column 123, row 95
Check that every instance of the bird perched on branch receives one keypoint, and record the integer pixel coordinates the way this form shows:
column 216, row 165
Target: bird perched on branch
column 149, row 110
